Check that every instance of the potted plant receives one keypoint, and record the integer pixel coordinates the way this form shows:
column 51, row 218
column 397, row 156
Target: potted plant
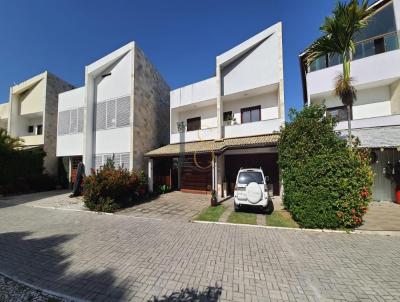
column 214, row 200
column 230, row 119
column 392, row 171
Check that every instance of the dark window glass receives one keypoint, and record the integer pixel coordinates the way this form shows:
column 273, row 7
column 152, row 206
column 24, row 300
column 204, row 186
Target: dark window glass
column 193, row 124
column 379, row 45
column 382, row 22
column 248, row 177
column 251, row 114
column 39, row 129
column 339, row 112
column 30, row 129
column 228, row 116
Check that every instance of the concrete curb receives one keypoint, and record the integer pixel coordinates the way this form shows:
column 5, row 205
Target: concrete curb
column 355, row 232
column 43, row 290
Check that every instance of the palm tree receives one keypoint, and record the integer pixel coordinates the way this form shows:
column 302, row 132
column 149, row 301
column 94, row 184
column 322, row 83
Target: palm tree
column 339, row 31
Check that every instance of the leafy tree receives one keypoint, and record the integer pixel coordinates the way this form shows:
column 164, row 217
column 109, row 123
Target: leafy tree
column 327, row 184
column 8, row 142
column 339, row 31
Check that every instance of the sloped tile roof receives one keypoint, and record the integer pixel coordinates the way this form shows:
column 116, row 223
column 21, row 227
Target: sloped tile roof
column 215, row 145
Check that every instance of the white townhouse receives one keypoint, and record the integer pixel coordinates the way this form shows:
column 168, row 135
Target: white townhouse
column 122, row 112
column 376, row 72
column 226, row 122
column 31, row 114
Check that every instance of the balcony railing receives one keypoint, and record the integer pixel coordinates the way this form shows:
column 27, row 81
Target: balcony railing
column 192, row 136
column 363, row 49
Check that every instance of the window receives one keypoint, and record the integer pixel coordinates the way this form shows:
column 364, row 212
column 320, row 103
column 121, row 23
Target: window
column 193, row 124
column 39, row 129
column 251, row 114
column 228, row 116
column 120, row 160
column 30, row 129
column 248, row 177
column 339, row 112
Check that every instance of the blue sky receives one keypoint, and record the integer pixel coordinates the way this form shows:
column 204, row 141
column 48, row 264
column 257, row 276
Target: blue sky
column 182, row 38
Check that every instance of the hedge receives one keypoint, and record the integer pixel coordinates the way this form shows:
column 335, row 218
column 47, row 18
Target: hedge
column 326, row 183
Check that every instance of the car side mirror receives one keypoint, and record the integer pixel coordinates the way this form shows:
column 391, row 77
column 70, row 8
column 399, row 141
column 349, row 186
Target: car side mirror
column 266, row 178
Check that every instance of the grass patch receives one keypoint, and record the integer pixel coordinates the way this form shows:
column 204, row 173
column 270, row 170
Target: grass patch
column 281, row 219
column 211, row 213
column 243, row 218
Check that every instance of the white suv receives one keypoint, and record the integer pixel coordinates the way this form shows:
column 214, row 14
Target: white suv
column 251, row 189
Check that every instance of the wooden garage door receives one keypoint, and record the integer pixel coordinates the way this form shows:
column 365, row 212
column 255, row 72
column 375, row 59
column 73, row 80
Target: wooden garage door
column 196, row 177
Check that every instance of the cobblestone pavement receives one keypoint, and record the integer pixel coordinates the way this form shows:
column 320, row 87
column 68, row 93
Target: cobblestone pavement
column 176, row 206
column 105, row 258
column 16, row 292
column 382, row 216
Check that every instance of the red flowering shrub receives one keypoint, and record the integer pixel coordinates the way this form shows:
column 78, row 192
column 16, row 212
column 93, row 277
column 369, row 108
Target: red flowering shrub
column 110, row 188
column 327, row 184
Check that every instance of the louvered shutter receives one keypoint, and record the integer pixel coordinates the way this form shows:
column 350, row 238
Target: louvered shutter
column 101, row 116
column 123, row 111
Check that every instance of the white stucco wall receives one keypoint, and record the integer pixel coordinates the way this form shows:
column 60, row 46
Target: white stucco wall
column 112, row 140
column 258, row 67
column 372, row 102
column 70, row 144
column 194, row 93
column 207, row 114
column 118, row 84
column 268, row 102
column 71, row 99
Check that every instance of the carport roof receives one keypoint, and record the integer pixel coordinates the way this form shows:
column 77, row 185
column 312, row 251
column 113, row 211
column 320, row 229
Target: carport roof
column 217, row 146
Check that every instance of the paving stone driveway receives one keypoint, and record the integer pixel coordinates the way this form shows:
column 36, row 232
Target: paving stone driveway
column 105, row 258
column 176, row 206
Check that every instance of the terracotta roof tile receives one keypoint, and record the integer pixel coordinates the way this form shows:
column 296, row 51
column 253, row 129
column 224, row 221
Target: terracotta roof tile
column 215, row 145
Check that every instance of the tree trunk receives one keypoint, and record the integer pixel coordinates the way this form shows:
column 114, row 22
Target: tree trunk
column 349, row 125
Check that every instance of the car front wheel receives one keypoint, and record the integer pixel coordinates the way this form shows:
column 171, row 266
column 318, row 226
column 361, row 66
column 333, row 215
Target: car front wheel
column 237, row 207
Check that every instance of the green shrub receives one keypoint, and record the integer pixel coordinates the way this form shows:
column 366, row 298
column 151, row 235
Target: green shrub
column 327, row 184
column 110, row 188
column 21, row 170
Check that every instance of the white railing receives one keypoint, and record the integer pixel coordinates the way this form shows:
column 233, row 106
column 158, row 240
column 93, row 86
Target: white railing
column 381, row 121
column 32, row 140
column 193, row 136
column 255, row 128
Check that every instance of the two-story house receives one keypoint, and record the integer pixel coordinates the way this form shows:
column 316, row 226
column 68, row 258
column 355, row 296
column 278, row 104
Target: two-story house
column 226, row 122
column 376, row 72
column 31, row 114
column 122, row 112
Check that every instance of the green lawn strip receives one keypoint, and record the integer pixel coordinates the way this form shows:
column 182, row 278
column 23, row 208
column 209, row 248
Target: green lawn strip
column 281, row 219
column 211, row 213
column 243, row 218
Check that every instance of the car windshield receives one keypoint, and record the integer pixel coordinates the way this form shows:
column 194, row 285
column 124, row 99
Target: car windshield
column 248, row 177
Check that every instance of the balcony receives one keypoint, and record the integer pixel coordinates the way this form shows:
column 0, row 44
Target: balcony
column 366, row 48
column 198, row 92
column 192, row 136
column 255, row 128
column 33, row 140
column 381, row 121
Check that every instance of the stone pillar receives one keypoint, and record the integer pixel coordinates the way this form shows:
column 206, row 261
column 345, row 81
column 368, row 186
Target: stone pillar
column 221, row 189
column 150, row 174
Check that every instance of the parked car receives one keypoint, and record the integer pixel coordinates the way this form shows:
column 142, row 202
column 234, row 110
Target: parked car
column 251, row 189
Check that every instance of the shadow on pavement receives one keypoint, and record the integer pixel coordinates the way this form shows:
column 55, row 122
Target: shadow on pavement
column 43, row 263
column 210, row 294
column 14, row 200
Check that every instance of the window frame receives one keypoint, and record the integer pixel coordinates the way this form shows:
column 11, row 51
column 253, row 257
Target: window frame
column 193, row 119
column 341, row 107
column 250, row 109
column 41, row 129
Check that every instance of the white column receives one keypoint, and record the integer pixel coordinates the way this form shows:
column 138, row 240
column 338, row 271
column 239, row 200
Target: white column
column 150, row 174
column 88, row 123
column 220, row 109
